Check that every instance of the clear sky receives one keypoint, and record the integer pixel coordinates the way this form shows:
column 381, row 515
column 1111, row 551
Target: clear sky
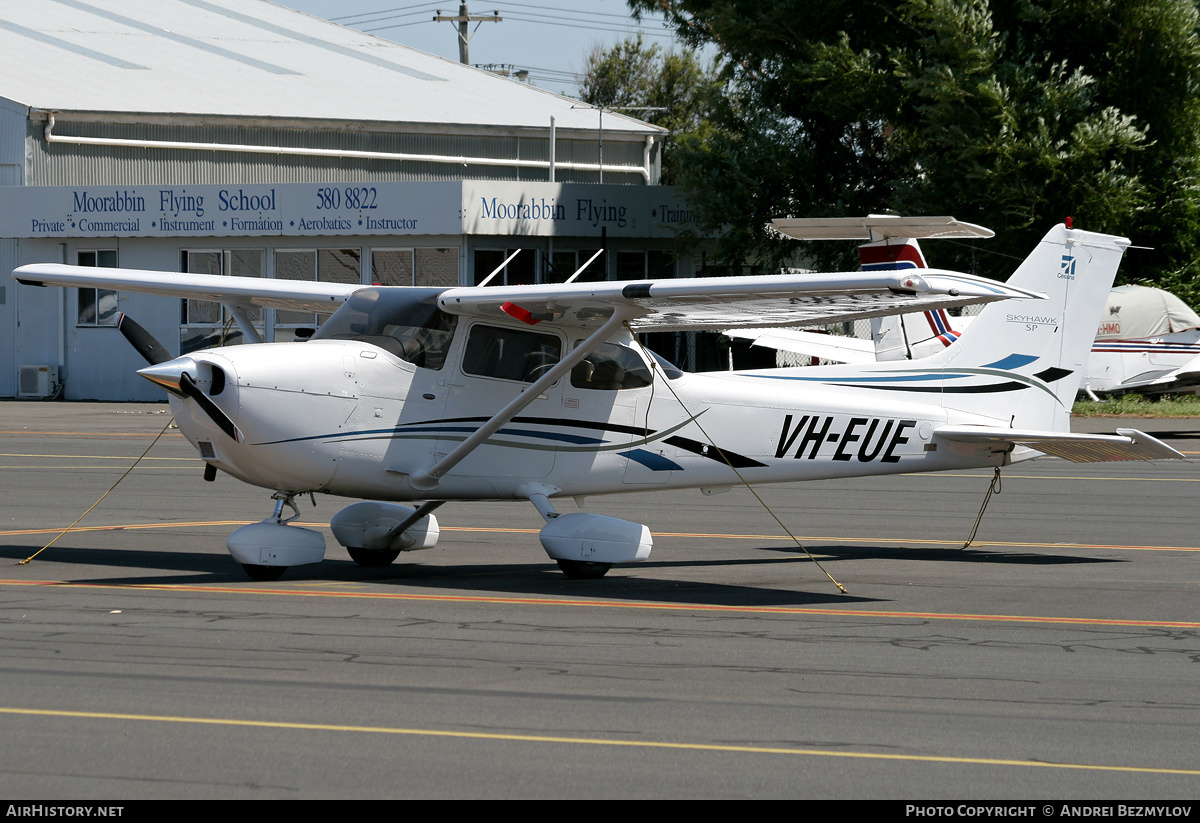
column 550, row 39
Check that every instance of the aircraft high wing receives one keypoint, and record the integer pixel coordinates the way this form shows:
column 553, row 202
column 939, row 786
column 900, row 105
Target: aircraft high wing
column 662, row 305
column 540, row 393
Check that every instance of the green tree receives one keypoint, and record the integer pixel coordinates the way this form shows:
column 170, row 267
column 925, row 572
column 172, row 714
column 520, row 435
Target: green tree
column 1009, row 113
column 632, row 74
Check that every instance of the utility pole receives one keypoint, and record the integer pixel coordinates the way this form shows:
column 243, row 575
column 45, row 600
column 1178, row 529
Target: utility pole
column 463, row 18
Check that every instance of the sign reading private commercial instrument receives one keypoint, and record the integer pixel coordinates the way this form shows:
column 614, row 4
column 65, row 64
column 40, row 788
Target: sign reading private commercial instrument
column 254, row 210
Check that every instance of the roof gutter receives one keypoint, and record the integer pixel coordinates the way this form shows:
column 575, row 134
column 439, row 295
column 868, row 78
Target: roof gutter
column 643, row 170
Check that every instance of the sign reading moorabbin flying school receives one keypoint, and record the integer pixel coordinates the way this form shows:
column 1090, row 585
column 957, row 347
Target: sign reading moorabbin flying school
column 250, row 210
column 330, row 209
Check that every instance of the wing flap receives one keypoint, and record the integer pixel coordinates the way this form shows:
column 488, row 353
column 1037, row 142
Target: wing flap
column 277, row 294
column 694, row 304
column 1126, row 444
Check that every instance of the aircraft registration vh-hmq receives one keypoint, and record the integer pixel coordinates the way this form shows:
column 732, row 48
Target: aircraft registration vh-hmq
column 425, row 396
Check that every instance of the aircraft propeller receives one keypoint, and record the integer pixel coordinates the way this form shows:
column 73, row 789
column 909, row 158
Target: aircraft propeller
column 142, row 340
column 172, row 373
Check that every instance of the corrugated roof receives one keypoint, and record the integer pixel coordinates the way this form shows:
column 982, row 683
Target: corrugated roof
column 249, row 58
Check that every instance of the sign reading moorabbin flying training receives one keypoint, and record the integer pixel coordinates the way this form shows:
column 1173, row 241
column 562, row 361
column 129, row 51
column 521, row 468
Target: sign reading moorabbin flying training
column 472, row 207
column 572, row 209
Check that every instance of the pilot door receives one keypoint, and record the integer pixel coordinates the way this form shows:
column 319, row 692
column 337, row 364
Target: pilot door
column 497, row 364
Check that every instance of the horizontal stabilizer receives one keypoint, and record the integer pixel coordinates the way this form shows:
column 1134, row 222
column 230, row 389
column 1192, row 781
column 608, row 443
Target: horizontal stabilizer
column 834, row 347
column 876, row 227
column 1126, row 444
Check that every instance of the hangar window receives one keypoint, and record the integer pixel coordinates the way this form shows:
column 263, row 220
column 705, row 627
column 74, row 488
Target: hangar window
column 205, row 324
column 435, row 267
column 562, row 264
column 321, row 265
column 639, row 265
column 519, row 272
column 97, row 307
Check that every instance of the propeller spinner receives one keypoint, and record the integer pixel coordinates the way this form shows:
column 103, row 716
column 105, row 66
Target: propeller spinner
column 174, row 375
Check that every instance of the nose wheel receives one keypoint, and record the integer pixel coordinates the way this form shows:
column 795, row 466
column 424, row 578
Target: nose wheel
column 583, row 569
column 266, row 549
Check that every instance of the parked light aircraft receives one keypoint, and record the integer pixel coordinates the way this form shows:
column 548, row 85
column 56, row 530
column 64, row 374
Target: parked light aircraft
column 1148, row 339
column 542, row 393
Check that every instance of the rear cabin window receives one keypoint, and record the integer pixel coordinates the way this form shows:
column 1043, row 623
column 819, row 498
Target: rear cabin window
column 510, row 354
column 611, row 367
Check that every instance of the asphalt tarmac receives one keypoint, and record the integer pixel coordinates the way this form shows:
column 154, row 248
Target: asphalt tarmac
column 1058, row 658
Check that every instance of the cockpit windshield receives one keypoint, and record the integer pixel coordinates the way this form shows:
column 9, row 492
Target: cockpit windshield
column 405, row 322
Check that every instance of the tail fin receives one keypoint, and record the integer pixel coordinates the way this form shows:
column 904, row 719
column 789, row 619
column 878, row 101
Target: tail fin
column 904, row 336
column 1021, row 361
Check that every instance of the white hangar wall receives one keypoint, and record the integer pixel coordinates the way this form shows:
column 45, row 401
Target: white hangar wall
column 396, row 233
column 252, row 99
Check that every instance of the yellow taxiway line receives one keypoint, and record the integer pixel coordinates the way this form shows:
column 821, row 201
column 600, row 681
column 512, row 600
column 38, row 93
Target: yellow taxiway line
column 594, row 741
column 691, row 608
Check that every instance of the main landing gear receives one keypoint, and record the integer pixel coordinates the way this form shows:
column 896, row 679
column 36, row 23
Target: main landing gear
column 584, row 545
column 583, row 569
column 375, row 533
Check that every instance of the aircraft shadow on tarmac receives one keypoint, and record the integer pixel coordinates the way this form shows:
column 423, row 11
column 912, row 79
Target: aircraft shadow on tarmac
column 1177, row 435
column 948, row 554
column 801, row 584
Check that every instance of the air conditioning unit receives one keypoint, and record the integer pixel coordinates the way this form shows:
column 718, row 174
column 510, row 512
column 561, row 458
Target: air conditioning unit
column 38, row 381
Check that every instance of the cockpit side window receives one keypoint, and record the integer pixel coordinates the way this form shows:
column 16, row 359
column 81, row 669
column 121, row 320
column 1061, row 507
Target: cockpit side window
column 510, row 354
column 611, row 367
column 404, row 322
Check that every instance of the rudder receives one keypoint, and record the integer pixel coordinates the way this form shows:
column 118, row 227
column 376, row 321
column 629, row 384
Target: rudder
column 1021, row 361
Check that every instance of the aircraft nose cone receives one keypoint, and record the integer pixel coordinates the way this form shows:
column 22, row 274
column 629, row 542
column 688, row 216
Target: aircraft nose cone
column 169, row 375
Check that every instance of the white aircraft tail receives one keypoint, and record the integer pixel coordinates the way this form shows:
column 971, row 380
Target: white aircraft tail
column 1021, row 361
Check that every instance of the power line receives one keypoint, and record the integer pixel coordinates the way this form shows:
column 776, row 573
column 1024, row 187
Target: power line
column 382, row 14
column 382, row 11
column 586, row 26
column 421, row 13
column 544, row 7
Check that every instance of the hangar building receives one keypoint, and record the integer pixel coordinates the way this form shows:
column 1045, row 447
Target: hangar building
column 238, row 137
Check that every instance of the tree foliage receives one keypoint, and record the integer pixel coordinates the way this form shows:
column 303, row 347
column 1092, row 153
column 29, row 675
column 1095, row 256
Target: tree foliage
column 632, row 74
column 1009, row 113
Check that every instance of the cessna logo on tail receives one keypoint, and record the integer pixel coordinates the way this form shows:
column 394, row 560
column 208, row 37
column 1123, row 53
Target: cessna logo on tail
column 1067, row 272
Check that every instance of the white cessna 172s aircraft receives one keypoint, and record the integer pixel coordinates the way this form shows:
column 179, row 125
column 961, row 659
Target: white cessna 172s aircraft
column 542, row 392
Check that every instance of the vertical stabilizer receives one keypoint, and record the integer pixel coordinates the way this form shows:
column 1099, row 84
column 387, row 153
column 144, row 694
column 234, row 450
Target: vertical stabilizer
column 1022, row 361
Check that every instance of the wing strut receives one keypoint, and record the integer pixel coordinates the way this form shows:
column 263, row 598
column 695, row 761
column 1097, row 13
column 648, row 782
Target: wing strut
column 427, row 479
column 238, row 310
